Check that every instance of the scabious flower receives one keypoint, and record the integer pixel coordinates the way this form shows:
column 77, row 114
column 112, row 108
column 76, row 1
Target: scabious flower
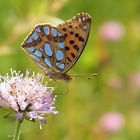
column 111, row 31
column 111, row 121
column 26, row 96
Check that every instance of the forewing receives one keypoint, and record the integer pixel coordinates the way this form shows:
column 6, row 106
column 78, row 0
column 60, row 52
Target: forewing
column 76, row 32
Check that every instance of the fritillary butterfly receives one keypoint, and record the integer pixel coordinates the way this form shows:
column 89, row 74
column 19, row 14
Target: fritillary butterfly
column 56, row 49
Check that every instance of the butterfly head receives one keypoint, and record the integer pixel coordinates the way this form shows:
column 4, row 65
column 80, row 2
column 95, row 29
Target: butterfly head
column 59, row 77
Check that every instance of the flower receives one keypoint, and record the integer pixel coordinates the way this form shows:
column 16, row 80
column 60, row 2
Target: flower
column 134, row 80
column 111, row 121
column 115, row 82
column 111, row 31
column 26, row 96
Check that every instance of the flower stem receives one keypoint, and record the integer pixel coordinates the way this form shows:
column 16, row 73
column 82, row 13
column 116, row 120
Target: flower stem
column 17, row 130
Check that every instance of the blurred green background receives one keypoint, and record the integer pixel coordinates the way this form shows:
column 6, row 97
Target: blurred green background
column 107, row 107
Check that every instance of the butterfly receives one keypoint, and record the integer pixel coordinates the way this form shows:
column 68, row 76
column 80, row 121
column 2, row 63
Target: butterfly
column 56, row 49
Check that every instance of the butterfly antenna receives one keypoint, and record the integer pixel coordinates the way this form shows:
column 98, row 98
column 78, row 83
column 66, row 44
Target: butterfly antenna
column 89, row 76
column 92, row 75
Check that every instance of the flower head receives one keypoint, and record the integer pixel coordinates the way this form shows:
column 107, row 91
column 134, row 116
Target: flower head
column 112, row 121
column 111, row 31
column 26, row 96
column 134, row 80
column 115, row 82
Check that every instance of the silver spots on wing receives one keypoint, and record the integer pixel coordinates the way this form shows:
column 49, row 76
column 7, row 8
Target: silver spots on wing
column 61, row 66
column 41, row 66
column 59, row 34
column 29, row 40
column 31, row 49
column 48, row 49
column 54, row 32
column 61, row 45
column 38, row 53
column 46, row 30
column 85, row 28
column 47, row 61
column 35, row 58
column 38, row 29
column 79, row 19
column 34, row 35
column 59, row 55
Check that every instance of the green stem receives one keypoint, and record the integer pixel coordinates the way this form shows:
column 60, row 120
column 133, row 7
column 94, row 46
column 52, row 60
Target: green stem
column 17, row 130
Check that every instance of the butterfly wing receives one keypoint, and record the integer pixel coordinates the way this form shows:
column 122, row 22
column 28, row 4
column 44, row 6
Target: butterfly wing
column 56, row 49
column 45, row 45
column 76, row 32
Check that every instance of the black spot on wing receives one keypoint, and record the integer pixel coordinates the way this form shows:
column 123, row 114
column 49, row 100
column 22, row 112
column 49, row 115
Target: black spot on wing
column 76, row 35
column 69, row 59
column 67, row 48
column 71, row 41
column 73, row 55
column 64, row 29
column 81, row 39
column 71, row 32
column 76, row 47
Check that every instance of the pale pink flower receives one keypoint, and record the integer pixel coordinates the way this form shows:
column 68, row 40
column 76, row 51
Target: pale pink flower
column 26, row 96
column 111, row 31
column 114, row 82
column 134, row 80
column 111, row 122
